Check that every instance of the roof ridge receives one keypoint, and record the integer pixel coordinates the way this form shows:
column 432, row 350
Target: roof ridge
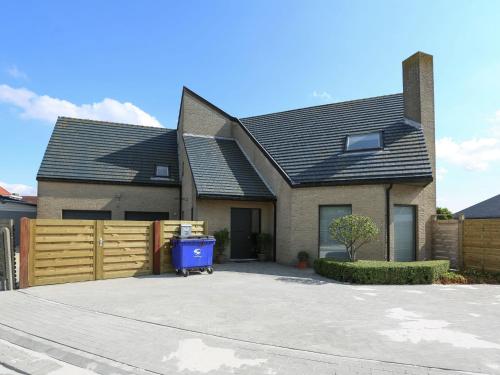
column 323, row 105
column 109, row 122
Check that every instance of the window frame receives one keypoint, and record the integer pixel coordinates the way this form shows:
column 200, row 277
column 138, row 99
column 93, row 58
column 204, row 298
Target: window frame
column 319, row 221
column 380, row 136
column 162, row 166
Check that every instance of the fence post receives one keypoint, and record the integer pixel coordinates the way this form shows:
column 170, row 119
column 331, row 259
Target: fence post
column 460, row 252
column 157, row 228
column 24, row 249
column 99, row 249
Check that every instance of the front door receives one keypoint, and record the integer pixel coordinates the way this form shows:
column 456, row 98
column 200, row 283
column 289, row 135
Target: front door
column 243, row 229
column 404, row 233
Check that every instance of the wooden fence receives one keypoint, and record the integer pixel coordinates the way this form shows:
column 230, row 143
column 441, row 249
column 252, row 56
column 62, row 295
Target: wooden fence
column 62, row 251
column 469, row 243
column 446, row 241
column 481, row 244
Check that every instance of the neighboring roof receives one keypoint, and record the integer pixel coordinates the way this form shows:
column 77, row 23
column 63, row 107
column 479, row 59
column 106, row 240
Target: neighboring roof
column 490, row 208
column 107, row 152
column 308, row 144
column 21, row 202
column 4, row 192
column 31, row 199
column 221, row 170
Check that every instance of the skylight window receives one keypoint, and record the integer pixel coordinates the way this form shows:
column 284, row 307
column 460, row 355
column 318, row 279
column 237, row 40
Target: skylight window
column 367, row 141
column 162, row 171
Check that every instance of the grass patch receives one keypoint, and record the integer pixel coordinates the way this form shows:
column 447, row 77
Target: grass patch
column 470, row 276
column 382, row 272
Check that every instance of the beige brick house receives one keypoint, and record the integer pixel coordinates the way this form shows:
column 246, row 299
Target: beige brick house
column 286, row 173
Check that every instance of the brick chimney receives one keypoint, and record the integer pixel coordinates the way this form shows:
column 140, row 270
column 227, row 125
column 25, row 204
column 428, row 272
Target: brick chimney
column 418, row 92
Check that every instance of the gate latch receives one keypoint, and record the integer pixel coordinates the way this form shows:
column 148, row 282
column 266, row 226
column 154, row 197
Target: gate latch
column 100, row 241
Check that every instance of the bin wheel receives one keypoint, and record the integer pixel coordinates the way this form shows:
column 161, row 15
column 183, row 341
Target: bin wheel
column 210, row 270
column 202, row 269
column 185, row 272
column 177, row 272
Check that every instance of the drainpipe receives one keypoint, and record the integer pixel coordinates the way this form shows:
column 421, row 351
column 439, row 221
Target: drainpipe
column 388, row 220
column 274, row 230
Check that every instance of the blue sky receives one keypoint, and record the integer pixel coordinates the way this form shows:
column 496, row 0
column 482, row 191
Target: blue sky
column 128, row 60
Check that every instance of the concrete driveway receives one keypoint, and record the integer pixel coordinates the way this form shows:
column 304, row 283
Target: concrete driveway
column 250, row 318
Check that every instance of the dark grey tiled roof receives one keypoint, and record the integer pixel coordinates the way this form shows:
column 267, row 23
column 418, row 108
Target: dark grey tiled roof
column 308, row 143
column 220, row 169
column 490, row 208
column 90, row 150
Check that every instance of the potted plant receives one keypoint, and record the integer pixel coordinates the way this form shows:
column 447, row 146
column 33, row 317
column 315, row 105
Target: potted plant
column 264, row 241
column 221, row 240
column 303, row 257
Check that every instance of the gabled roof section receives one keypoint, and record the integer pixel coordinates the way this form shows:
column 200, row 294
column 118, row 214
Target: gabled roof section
column 107, row 152
column 221, row 170
column 4, row 192
column 490, row 208
column 309, row 143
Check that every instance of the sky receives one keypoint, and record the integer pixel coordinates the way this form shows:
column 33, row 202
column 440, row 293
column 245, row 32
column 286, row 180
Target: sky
column 127, row 61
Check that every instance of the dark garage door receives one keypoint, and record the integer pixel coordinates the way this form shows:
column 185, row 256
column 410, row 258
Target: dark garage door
column 86, row 215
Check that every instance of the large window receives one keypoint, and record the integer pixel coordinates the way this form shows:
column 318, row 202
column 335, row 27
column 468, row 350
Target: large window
column 86, row 215
column 329, row 248
column 367, row 141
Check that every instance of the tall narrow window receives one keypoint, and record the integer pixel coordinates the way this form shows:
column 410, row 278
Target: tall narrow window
column 329, row 248
column 367, row 141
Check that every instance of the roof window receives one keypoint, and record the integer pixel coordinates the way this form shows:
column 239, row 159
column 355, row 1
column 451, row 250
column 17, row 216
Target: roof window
column 162, row 171
column 361, row 142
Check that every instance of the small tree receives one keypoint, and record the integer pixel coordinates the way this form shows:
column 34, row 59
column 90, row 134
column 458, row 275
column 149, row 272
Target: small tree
column 443, row 213
column 353, row 231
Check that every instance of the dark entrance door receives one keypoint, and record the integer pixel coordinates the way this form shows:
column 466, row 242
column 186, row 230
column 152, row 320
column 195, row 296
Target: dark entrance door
column 242, row 246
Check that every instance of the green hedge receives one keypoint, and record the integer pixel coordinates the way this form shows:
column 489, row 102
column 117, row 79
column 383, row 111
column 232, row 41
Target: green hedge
column 382, row 272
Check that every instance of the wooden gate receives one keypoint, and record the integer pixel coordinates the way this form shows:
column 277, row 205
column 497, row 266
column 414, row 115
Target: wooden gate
column 124, row 248
column 64, row 251
column 61, row 251
column 481, row 244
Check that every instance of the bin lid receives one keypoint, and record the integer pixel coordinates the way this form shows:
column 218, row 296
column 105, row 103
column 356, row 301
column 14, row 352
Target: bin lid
column 193, row 237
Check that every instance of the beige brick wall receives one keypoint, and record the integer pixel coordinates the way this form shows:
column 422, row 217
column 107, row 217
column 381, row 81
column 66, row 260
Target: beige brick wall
column 198, row 118
column 367, row 200
column 217, row 214
column 53, row 197
column 425, row 200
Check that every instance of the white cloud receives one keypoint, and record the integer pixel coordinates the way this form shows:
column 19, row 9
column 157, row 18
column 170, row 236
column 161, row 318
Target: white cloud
column 20, row 189
column 15, row 72
column 323, row 95
column 46, row 108
column 475, row 154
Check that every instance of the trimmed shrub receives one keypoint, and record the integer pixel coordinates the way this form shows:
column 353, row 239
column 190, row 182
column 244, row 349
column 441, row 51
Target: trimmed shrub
column 451, row 277
column 382, row 272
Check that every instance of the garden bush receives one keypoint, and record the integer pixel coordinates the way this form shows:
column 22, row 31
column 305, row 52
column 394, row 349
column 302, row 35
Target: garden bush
column 382, row 272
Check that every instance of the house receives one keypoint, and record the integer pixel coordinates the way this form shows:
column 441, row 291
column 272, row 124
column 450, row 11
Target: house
column 286, row 173
column 487, row 209
column 13, row 206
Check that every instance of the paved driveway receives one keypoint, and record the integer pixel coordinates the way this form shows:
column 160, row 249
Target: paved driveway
column 251, row 318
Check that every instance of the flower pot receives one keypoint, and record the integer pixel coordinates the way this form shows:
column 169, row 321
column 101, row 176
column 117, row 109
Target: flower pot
column 220, row 258
column 302, row 264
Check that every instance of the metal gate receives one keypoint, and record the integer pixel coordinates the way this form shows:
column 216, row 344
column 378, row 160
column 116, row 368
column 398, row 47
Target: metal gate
column 7, row 255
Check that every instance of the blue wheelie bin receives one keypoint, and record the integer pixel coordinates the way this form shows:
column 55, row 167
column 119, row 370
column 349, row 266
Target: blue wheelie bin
column 192, row 253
